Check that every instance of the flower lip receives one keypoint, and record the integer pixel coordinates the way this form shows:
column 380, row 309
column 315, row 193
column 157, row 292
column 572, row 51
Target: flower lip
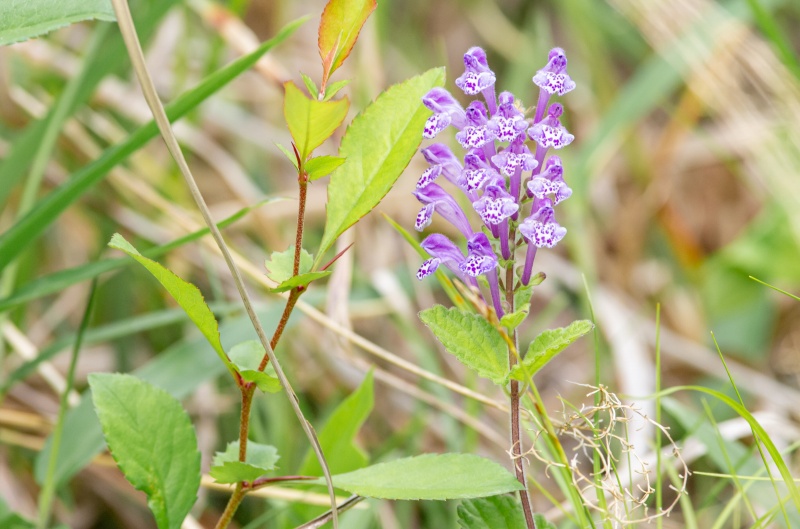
column 436, row 199
column 477, row 76
column 549, row 132
column 553, row 78
column 446, row 111
column 480, row 256
column 442, row 251
column 496, row 204
column 508, row 123
column 540, row 228
column 551, row 182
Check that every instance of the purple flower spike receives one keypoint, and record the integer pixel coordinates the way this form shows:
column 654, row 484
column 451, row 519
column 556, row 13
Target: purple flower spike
column 553, row 77
column 509, row 161
column 495, row 205
column 541, row 228
column 475, row 133
column 477, row 77
column 446, row 111
column 480, row 256
column 551, row 182
column 508, row 122
column 437, row 199
column 549, row 132
column 442, row 251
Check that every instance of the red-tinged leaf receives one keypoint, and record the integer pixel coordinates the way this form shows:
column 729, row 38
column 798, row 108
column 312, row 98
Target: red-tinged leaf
column 338, row 31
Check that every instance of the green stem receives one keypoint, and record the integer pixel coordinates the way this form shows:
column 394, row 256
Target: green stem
column 230, row 509
column 48, row 490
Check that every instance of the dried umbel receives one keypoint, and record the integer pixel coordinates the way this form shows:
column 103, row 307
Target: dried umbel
column 623, row 476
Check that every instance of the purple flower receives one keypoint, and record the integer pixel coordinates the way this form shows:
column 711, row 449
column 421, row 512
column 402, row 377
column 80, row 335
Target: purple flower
column 496, row 204
column 477, row 77
column 476, row 172
column 549, row 132
column 508, row 122
column 446, row 111
column 442, row 251
column 442, row 161
column 480, row 256
column 437, row 199
column 541, row 228
column 515, row 157
column 475, row 133
column 550, row 182
column 553, row 78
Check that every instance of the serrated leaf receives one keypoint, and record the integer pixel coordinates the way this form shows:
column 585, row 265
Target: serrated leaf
column 339, row 27
column 24, row 19
column 311, row 122
column 338, row 435
column 289, row 154
column 512, row 320
column 153, row 442
column 429, row 477
column 246, row 357
column 311, row 86
column 377, row 145
column 495, row 512
column 334, row 88
column 280, row 266
column 260, row 460
column 321, row 166
column 185, row 294
column 471, row 339
column 547, row 345
column 301, row 280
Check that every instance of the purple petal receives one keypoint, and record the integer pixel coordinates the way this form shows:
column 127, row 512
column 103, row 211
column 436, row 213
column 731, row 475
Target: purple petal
column 434, row 125
column 428, row 267
column 495, row 205
column 480, row 256
column 477, row 75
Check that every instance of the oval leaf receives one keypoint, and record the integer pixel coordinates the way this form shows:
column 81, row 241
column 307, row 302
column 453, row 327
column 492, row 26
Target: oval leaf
column 471, row 339
column 339, row 27
column 310, row 121
column 430, row 477
column 321, row 166
column 378, row 145
column 547, row 345
column 186, row 294
column 24, row 19
column 260, row 460
column 153, row 442
column 496, row 512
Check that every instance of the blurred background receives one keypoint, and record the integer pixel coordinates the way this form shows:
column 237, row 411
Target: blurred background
column 686, row 179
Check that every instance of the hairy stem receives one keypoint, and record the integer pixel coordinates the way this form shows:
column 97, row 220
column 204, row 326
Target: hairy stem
column 516, row 438
column 230, row 509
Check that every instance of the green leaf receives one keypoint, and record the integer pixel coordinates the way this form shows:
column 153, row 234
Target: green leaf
column 338, row 435
column 321, row 166
column 260, row 460
column 494, row 512
column 24, row 19
column 430, row 477
column 522, row 306
column 311, row 122
column 311, row 86
column 289, row 154
column 512, row 320
column 11, row 520
column 281, row 265
column 153, row 442
column 246, row 357
column 547, row 345
column 48, row 208
column 378, row 145
column 186, row 294
column 542, row 523
column 339, row 27
column 471, row 339
column 334, row 88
